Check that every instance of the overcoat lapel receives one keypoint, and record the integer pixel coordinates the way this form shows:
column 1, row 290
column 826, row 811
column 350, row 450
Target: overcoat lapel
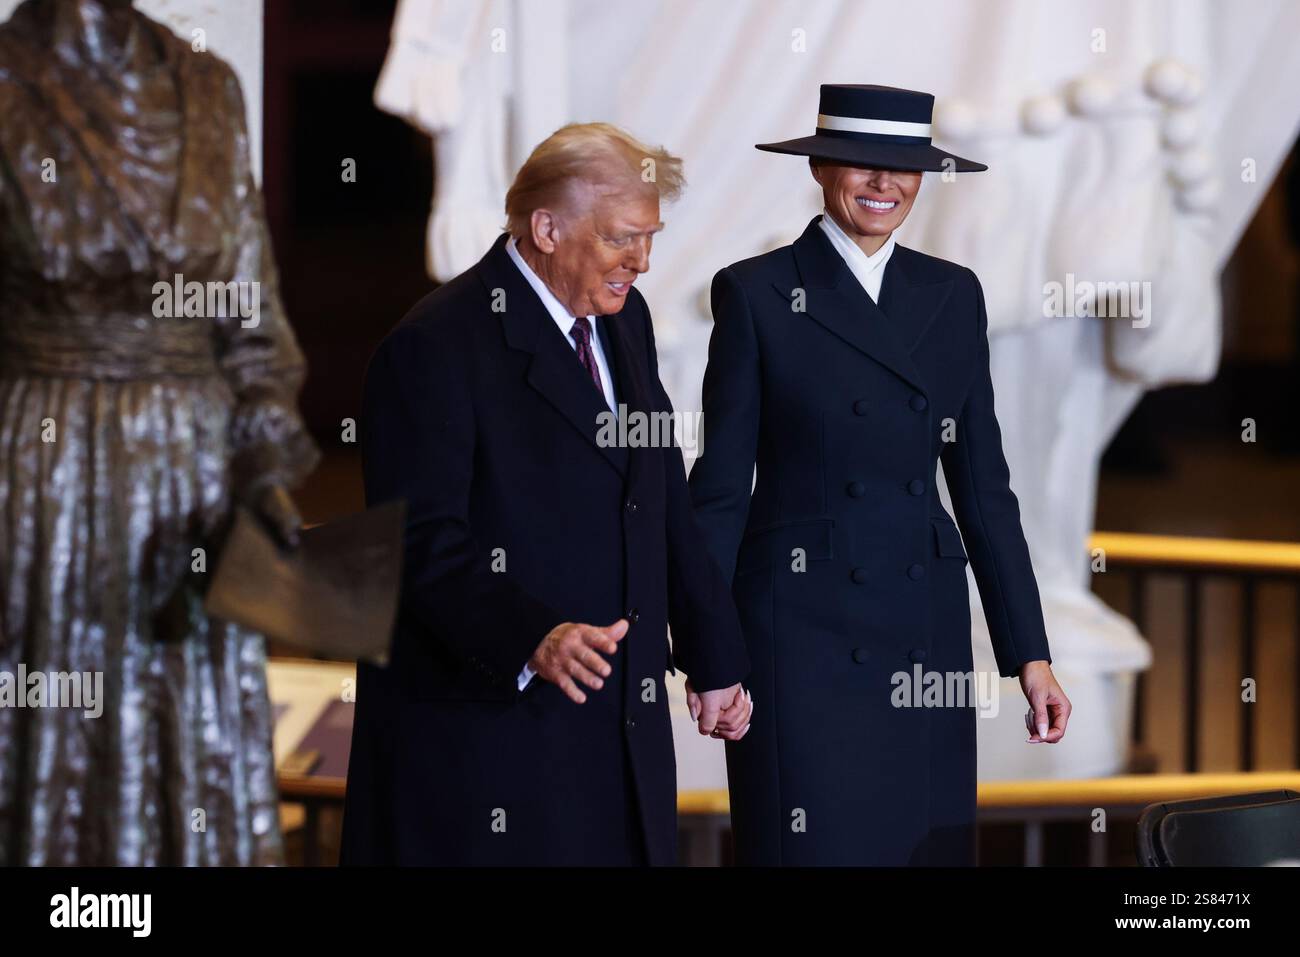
column 834, row 298
column 629, row 371
column 912, row 305
column 554, row 371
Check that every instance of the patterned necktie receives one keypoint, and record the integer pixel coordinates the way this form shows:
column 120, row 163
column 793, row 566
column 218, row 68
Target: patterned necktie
column 581, row 333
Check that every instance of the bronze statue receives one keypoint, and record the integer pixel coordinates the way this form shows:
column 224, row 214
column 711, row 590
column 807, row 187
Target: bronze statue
column 148, row 381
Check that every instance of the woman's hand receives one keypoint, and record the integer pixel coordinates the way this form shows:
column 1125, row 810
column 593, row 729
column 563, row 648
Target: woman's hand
column 1049, row 708
column 724, row 713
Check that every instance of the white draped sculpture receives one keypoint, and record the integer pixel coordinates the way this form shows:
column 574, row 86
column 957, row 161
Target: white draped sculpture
column 1121, row 138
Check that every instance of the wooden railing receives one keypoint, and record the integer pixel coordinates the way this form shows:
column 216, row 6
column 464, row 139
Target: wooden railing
column 1193, row 560
column 1035, row 804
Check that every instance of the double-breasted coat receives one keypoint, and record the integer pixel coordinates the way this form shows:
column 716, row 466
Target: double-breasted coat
column 849, row 575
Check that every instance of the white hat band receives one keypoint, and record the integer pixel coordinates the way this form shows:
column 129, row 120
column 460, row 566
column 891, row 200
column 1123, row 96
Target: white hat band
column 855, row 124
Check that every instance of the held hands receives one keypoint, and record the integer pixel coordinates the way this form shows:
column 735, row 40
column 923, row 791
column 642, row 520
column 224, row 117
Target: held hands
column 724, row 713
column 572, row 651
column 1046, row 701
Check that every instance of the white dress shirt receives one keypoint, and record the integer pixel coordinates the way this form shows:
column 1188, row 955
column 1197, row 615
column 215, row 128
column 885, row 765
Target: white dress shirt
column 869, row 270
column 565, row 320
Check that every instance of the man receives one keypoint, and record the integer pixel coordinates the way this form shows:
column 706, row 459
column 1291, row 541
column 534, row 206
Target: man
column 523, row 717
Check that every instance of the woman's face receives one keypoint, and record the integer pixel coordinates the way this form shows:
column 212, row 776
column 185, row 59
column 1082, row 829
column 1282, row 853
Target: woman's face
column 867, row 202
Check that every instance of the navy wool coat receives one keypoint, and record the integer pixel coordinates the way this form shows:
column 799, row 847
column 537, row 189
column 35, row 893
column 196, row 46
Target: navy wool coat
column 845, row 567
column 478, row 413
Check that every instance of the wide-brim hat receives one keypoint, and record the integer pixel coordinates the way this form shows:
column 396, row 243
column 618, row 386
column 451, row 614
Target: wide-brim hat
column 878, row 126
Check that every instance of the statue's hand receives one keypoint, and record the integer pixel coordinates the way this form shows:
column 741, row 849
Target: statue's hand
column 274, row 506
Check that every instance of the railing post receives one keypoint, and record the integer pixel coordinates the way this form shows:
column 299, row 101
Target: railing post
column 1246, row 759
column 1137, row 612
column 1033, row 831
column 1192, row 674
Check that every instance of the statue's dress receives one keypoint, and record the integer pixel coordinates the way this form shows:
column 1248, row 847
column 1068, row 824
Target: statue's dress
column 124, row 437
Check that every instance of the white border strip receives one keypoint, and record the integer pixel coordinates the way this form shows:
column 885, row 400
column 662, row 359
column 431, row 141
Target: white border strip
column 854, row 124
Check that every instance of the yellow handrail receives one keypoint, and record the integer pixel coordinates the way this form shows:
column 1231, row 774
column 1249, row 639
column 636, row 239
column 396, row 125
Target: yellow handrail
column 1226, row 553
column 1123, row 789
column 1219, row 553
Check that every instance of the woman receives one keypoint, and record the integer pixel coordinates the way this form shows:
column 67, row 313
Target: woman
column 125, row 434
column 846, row 367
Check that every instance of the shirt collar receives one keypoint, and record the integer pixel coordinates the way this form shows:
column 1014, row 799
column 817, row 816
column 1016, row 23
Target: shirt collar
column 852, row 253
column 558, row 311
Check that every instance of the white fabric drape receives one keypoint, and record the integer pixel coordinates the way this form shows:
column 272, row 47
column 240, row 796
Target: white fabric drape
column 1115, row 132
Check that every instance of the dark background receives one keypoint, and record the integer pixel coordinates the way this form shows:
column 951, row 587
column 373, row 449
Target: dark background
column 351, row 255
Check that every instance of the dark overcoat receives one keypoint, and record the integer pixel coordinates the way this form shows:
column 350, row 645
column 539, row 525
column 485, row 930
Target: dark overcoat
column 522, row 515
column 849, row 575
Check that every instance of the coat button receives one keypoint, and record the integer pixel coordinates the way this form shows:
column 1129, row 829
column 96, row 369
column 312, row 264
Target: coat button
column 859, row 576
column 632, row 616
column 916, row 486
column 631, row 506
column 631, row 722
column 916, row 655
column 861, row 406
column 916, row 572
column 918, row 403
column 860, row 655
column 856, row 490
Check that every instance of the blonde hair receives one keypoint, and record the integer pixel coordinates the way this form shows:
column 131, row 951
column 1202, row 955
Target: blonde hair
column 597, row 153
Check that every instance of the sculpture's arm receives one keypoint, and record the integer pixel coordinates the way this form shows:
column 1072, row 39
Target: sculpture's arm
column 258, row 353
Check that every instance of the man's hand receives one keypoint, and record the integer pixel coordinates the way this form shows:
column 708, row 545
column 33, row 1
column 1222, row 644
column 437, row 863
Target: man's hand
column 572, row 651
column 1046, row 700
column 724, row 713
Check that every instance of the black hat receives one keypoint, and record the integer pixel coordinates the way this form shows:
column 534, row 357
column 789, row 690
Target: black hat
column 878, row 126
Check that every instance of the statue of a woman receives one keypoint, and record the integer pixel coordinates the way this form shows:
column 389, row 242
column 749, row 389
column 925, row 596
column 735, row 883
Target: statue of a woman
column 127, row 430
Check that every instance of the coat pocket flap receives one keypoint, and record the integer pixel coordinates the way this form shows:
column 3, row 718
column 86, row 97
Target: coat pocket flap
column 947, row 540
column 777, row 544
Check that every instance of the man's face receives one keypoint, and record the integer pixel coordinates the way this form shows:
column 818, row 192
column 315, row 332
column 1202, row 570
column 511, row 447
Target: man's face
column 602, row 247
column 870, row 202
